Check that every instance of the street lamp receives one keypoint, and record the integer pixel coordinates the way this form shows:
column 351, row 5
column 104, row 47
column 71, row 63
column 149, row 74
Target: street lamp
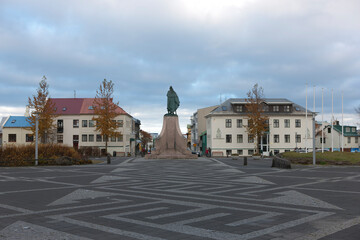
column 36, row 137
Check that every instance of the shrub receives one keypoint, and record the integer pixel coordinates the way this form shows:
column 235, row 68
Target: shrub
column 24, row 155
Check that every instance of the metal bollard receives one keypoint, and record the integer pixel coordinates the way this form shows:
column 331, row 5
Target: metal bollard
column 245, row 161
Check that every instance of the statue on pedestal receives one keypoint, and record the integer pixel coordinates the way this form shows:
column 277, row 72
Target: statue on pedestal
column 172, row 102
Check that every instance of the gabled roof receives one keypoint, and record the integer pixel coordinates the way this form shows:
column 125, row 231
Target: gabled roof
column 338, row 128
column 17, row 122
column 77, row 106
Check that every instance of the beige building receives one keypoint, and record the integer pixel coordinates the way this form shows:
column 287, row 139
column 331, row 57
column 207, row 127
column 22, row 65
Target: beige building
column 75, row 128
column 14, row 131
column 198, row 129
column 288, row 128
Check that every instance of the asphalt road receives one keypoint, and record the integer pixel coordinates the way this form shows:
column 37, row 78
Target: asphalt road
column 208, row 198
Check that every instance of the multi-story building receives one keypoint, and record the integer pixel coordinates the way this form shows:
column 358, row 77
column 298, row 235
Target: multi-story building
column 75, row 127
column 198, row 129
column 288, row 128
column 334, row 139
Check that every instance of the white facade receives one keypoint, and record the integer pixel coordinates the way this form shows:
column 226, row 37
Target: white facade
column 227, row 133
column 334, row 139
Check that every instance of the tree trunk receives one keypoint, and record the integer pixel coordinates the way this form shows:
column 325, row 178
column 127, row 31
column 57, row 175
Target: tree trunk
column 106, row 144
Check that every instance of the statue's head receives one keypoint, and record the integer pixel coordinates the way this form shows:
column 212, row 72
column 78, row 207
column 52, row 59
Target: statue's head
column 171, row 88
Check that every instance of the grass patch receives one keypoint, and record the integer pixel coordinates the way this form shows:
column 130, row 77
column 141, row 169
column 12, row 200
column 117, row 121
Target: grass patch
column 326, row 158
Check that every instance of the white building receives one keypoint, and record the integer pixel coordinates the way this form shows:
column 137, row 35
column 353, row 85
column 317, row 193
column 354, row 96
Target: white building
column 334, row 139
column 288, row 128
column 15, row 131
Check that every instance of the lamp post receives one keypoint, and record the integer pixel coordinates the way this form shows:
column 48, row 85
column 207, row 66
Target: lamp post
column 36, row 137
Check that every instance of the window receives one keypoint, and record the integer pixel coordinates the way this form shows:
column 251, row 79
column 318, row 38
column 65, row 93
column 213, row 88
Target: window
column 60, row 138
column 276, row 138
column 287, row 123
column 287, row 138
column 64, row 108
column 287, row 108
column 265, row 108
column 297, row 123
column 322, row 140
column 276, row 108
column 353, row 129
column 76, row 123
column 84, row 123
column 75, row 138
column 29, row 137
column 98, row 138
column 84, row 138
column 113, row 138
column 250, row 152
column 240, row 152
column 347, row 129
column 349, row 139
column 12, row 138
column 239, row 123
column 228, row 123
column 238, row 108
column 91, row 107
column 120, row 138
column 276, row 151
column 228, row 152
column 91, row 137
column 276, row 123
column 239, row 138
column 121, row 123
column 250, row 122
column 60, row 126
column 105, row 139
column 329, row 130
column 298, row 138
column 356, row 139
column 250, row 138
column 91, row 123
column 228, row 138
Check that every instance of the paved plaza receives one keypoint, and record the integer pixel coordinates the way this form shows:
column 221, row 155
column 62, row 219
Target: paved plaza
column 207, row 198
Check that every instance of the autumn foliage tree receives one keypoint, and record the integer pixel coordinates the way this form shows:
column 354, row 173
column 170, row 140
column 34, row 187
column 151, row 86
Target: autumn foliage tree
column 257, row 122
column 42, row 106
column 106, row 112
column 145, row 138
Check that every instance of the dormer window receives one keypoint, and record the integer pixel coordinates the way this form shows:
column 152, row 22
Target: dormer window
column 64, row 108
column 91, row 107
column 265, row 108
column 238, row 108
column 13, row 121
column 224, row 108
column 287, row 108
column 276, row 108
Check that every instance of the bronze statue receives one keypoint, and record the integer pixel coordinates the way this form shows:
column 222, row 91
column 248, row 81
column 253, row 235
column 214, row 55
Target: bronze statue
column 172, row 101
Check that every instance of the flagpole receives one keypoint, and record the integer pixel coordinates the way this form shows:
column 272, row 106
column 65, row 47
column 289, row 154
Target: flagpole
column 306, row 120
column 332, row 118
column 342, row 121
column 322, row 120
column 314, row 118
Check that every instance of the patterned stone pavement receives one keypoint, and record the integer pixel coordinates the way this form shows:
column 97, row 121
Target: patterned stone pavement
column 206, row 198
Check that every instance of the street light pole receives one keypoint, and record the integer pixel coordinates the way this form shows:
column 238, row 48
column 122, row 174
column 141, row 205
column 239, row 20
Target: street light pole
column 36, row 137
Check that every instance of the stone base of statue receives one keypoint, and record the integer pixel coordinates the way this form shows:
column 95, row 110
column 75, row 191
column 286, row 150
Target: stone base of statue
column 171, row 144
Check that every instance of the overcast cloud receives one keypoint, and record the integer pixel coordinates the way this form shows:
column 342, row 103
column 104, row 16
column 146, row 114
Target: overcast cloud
column 203, row 48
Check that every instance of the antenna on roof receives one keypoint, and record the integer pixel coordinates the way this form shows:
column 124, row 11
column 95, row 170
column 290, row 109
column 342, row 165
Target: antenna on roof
column 220, row 99
column 74, row 93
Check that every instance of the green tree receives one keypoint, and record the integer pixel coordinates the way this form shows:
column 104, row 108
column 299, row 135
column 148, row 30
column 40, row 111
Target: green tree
column 45, row 109
column 257, row 122
column 105, row 111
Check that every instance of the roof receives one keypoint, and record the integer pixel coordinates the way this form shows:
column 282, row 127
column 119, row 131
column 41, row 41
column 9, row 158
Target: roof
column 77, row 106
column 227, row 108
column 338, row 128
column 17, row 122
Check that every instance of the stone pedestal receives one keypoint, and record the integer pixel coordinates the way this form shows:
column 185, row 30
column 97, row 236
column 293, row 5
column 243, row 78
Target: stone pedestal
column 171, row 144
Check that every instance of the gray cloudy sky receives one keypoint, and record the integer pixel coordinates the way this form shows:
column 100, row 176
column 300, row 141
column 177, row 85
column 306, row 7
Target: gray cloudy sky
column 203, row 48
